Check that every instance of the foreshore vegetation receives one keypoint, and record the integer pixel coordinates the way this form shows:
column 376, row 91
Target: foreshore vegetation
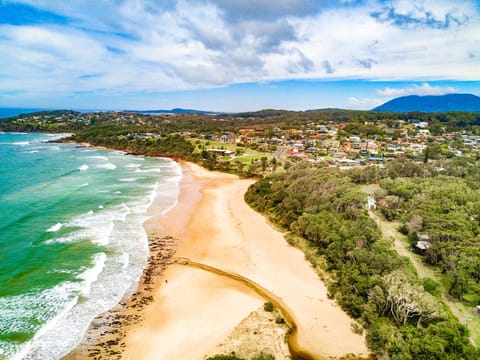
column 405, row 318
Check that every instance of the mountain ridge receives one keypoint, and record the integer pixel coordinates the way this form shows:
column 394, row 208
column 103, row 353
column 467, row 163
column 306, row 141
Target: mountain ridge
column 432, row 103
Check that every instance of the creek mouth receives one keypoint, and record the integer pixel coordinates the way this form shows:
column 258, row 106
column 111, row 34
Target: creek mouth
column 296, row 352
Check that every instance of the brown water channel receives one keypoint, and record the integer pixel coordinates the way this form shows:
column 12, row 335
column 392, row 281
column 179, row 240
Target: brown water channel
column 296, row 352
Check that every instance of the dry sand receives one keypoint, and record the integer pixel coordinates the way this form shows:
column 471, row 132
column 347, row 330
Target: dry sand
column 193, row 311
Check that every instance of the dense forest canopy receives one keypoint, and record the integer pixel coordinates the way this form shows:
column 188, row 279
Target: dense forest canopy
column 404, row 317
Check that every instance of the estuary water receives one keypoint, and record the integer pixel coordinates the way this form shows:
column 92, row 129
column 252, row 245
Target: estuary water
column 72, row 240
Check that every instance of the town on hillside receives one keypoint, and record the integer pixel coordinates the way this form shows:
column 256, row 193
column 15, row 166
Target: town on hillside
column 329, row 138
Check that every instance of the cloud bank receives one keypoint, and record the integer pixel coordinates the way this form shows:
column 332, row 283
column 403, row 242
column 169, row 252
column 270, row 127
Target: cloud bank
column 120, row 46
column 422, row 90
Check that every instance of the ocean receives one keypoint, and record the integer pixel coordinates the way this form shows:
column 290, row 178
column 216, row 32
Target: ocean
column 8, row 112
column 71, row 237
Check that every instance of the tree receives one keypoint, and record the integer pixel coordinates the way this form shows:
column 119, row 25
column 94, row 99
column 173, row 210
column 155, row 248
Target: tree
column 407, row 300
column 415, row 223
column 264, row 163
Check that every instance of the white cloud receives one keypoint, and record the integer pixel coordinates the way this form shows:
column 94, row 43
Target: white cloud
column 433, row 13
column 355, row 103
column 133, row 45
column 424, row 89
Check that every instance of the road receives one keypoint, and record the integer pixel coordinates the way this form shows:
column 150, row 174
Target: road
column 278, row 154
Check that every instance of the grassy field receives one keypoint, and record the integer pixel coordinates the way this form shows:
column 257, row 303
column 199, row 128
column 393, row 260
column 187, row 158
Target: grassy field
column 246, row 157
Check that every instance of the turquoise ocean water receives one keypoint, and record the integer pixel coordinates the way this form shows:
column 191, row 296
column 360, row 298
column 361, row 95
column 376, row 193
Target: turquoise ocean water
column 71, row 237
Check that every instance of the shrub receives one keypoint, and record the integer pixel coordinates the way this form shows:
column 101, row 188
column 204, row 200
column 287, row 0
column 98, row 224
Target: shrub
column 224, row 357
column 263, row 356
column 268, row 306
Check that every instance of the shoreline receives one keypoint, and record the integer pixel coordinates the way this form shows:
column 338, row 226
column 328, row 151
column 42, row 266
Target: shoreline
column 106, row 333
column 184, row 313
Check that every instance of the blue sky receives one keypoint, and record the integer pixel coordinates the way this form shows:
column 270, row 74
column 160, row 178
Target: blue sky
column 235, row 55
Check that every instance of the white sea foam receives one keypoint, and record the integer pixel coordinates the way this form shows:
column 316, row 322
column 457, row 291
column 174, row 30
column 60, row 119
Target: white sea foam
column 84, row 185
column 167, row 210
column 60, row 240
column 83, row 167
column 133, row 165
column 124, row 260
column 168, row 166
column 94, row 227
column 152, row 170
column 107, row 166
column 102, row 287
column 55, row 227
column 91, row 275
column 21, row 143
column 98, row 157
column 128, row 179
column 60, row 299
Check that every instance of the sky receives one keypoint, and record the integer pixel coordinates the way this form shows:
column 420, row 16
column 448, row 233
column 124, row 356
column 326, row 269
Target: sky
column 235, row 55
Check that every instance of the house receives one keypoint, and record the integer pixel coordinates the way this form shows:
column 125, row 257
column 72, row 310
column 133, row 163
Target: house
column 299, row 146
column 371, row 203
column 423, row 244
column 421, row 124
column 421, row 247
column 221, row 152
column 228, row 138
column 246, row 132
column 423, row 132
column 321, row 129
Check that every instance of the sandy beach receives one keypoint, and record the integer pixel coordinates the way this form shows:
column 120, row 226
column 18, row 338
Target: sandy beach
column 189, row 312
column 194, row 310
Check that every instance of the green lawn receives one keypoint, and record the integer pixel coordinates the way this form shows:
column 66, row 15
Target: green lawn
column 210, row 144
column 245, row 158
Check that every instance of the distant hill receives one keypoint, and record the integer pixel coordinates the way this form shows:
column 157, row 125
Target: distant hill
column 441, row 103
column 173, row 111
